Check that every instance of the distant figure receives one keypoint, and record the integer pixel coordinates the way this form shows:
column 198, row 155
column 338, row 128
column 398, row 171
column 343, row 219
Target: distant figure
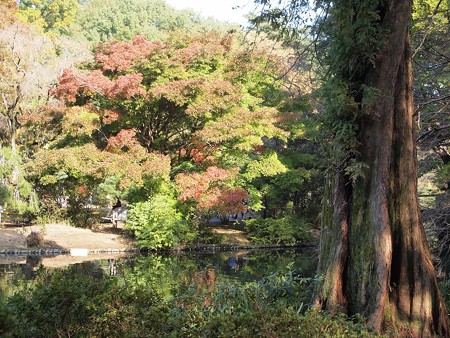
column 116, row 211
column 118, row 204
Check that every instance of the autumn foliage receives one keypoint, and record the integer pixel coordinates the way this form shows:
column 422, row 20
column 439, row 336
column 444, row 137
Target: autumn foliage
column 210, row 191
column 144, row 110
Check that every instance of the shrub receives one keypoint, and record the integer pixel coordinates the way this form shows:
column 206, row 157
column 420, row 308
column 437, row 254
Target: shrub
column 7, row 324
column 286, row 230
column 157, row 223
column 271, row 307
column 65, row 304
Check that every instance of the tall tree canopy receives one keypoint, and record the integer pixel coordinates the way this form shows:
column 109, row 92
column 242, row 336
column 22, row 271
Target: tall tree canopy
column 373, row 253
column 203, row 101
column 48, row 15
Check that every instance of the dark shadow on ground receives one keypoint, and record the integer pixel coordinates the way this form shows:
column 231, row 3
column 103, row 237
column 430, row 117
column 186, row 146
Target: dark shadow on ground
column 109, row 230
column 51, row 245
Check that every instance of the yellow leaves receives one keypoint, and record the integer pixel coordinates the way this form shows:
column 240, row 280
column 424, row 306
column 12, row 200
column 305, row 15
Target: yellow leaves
column 48, row 15
column 80, row 121
column 48, row 179
column 89, row 161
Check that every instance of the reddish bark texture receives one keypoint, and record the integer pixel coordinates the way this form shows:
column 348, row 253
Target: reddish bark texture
column 374, row 254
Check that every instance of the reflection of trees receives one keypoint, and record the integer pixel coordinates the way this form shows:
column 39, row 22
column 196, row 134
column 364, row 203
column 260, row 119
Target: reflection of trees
column 171, row 275
column 31, row 266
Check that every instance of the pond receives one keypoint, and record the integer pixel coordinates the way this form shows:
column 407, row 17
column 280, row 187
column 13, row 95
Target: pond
column 173, row 272
column 189, row 294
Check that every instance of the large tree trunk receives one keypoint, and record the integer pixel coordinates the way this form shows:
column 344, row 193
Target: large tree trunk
column 373, row 252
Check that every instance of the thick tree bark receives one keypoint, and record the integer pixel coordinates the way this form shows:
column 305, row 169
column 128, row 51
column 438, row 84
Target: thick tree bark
column 373, row 252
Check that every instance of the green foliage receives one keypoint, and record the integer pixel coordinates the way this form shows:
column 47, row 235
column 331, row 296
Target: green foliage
column 7, row 322
column 103, row 20
column 350, row 53
column 267, row 165
column 157, row 224
column 354, row 46
column 191, row 98
column 342, row 121
column 16, row 192
column 194, row 101
column 442, row 175
column 63, row 303
column 270, row 307
column 59, row 303
column 286, row 230
column 284, row 182
column 48, row 14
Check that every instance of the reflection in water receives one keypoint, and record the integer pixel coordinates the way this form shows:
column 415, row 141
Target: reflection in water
column 172, row 273
column 112, row 267
column 235, row 263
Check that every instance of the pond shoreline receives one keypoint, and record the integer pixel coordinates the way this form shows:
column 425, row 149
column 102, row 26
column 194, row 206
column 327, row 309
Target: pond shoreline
column 61, row 239
column 196, row 248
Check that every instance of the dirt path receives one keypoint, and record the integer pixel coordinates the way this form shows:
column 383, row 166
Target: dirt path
column 231, row 236
column 104, row 239
column 59, row 236
column 63, row 237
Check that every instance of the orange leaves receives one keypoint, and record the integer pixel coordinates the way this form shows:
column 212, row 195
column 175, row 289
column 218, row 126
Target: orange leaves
column 202, row 153
column 194, row 185
column 119, row 56
column 227, row 200
column 109, row 116
column 216, row 174
column 73, row 83
column 68, row 85
column 209, row 190
column 125, row 86
column 125, row 138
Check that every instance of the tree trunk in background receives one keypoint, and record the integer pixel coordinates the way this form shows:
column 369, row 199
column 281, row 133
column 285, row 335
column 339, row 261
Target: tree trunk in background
column 373, row 253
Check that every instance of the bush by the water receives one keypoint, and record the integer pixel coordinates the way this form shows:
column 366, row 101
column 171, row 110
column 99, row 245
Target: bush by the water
column 157, row 223
column 286, row 230
column 7, row 325
column 64, row 304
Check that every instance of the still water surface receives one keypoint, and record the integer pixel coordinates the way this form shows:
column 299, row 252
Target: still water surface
column 173, row 271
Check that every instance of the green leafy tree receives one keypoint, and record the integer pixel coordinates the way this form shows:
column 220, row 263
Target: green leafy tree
column 103, row 20
column 48, row 15
column 177, row 97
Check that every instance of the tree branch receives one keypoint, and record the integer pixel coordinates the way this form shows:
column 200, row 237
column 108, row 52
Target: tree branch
column 427, row 31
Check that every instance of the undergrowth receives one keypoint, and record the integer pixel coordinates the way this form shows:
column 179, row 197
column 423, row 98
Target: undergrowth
column 64, row 304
